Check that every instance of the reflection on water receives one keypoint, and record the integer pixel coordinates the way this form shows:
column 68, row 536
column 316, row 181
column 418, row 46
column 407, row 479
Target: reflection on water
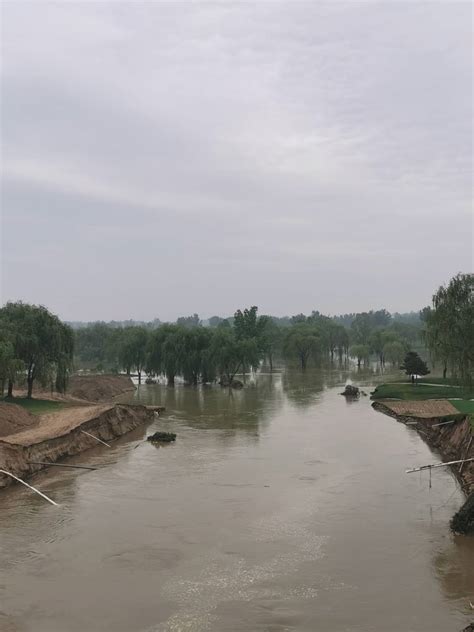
column 280, row 507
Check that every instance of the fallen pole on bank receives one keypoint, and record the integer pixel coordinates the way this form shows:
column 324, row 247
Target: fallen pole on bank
column 79, row 467
column 96, row 438
column 443, row 423
column 30, row 486
column 434, row 465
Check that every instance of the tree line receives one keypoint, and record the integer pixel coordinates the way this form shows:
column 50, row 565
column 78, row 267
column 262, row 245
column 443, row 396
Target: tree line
column 35, row 346
column 229, row 346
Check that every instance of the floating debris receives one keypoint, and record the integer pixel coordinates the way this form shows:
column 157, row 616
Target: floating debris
column 351, row 391
column 162, row 437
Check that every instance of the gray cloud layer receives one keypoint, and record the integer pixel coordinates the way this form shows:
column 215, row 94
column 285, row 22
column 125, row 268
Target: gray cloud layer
column 163, row 158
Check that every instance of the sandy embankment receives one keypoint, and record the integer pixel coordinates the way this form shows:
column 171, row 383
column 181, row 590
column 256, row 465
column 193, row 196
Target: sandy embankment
column 59, row 435
column 25, row 437
column 87, row 388
column 99, row 388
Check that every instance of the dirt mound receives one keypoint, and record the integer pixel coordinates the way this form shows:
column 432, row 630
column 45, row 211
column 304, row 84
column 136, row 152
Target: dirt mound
column 98, row 388
column 14, row 419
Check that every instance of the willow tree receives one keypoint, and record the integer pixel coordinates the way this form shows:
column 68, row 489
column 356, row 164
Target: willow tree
column 449, row 326
column 361, row 353
column 166, row 350
column 270, row 339
column 40, row 341
column 196, row 362
column 228, row 353
column 302, row 342
column 132, row 349
column 394, row 352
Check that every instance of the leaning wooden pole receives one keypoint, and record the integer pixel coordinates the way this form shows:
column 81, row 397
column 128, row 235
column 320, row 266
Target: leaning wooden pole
column 96, row 438
column 30, row 486
column 433, row 465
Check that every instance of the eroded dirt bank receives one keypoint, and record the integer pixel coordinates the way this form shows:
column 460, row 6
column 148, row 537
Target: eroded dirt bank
column 454, row 441
column 60, row 434
column 99, row 388
column 86, row 388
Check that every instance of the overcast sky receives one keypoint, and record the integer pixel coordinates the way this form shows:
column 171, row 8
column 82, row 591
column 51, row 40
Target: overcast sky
column 161, row 159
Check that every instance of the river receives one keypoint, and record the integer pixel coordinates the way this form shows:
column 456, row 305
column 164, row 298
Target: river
column 280, row 507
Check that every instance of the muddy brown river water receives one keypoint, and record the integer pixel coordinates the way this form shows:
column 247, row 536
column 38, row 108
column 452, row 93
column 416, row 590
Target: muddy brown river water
column 281, row 507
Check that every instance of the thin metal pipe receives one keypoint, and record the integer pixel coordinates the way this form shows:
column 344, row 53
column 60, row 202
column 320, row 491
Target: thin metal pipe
column 427, row 467
column 30, row 486
column 96, row 438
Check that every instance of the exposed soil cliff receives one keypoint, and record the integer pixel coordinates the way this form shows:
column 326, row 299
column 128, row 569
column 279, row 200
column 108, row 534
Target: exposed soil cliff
column 454, row 441
column 60, row 434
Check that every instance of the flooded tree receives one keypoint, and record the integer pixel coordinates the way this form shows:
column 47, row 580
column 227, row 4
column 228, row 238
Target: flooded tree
column 302, row 341
column 394, row 352
column 361, row 353
column 132, row 349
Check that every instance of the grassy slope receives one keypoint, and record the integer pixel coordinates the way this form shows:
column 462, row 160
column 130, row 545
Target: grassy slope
column 438, row 380
column 420, row 391
column 36, row 406
column 463, row 405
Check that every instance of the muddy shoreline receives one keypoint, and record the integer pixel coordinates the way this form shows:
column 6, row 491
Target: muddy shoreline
column 453, row 441
column 107, row 422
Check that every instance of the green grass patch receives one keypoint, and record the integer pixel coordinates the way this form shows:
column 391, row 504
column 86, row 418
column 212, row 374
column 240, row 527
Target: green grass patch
column 465, row 406
column 35, row 406
column 417, row 392
column 449, row 381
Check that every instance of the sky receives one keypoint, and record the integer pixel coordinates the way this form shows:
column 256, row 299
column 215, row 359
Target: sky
column 161, row 159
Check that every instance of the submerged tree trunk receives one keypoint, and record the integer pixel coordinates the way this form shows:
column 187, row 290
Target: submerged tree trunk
column 170, row 380
column 30, row 387
column 10, row 389
column 445, row 369
column 139, row 377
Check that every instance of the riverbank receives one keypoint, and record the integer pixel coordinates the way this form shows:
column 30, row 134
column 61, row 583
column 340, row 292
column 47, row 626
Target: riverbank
column 61, row 434
column 448, row 432
column 46, row 430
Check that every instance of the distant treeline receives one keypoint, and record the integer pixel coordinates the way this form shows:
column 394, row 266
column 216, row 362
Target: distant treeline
column 411, row 318
column 36, row 345
column 228, row 346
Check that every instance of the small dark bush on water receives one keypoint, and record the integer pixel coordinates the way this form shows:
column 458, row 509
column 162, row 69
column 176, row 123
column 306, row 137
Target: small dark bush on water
column 351, row 391
column 165, row 437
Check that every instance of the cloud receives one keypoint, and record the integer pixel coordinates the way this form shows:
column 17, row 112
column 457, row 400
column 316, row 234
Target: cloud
column 337, row 135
